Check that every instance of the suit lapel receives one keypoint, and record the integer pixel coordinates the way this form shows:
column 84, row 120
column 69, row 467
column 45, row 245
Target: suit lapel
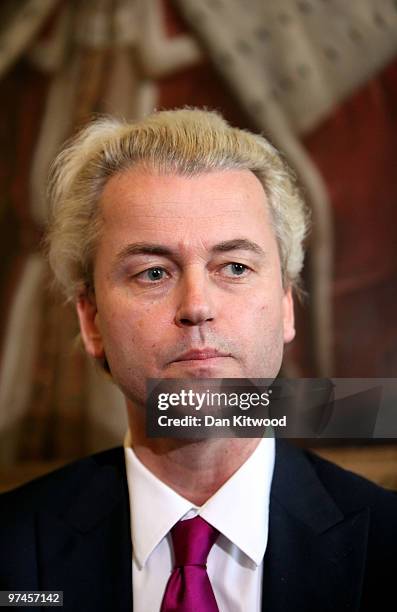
column 315, row 555
column 86, row 550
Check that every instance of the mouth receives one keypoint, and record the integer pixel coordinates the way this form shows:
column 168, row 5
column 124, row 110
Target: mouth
column 205, row 354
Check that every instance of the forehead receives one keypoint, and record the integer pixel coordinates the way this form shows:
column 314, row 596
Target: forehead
column 142, row 204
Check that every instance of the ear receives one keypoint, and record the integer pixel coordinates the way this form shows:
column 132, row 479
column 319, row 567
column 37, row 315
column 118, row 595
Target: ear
column 288, row 316
column 87, row 313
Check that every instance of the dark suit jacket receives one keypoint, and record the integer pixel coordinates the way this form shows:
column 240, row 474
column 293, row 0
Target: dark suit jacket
column 332, row 537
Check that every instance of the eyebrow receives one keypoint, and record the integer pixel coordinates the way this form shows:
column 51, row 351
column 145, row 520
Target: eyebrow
column 147, row 248
column 238, row 244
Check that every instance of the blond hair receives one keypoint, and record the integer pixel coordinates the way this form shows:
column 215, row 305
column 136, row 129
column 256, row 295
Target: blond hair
column 182, row 141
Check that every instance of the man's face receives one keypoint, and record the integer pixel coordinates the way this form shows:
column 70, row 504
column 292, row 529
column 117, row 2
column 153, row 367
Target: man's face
column 187, row 280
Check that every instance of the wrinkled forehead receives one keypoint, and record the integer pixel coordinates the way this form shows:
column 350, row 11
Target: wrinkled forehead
column 143, row 200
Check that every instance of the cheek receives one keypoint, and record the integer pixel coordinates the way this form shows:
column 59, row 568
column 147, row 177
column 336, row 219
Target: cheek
column 124, row 326
column 264, row 324
column 268, row 308
column 152, row 321
column 147, row 334
column 254, row 320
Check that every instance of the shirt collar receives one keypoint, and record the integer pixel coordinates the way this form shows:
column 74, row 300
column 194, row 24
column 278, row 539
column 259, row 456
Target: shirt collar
column 154, row 507
column 239, row 509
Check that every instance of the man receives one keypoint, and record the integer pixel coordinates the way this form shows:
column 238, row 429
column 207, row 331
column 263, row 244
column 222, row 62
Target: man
column 179, row 239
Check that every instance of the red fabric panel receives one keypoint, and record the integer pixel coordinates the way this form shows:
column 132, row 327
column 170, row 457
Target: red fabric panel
column 23, row 94
column 355, row 151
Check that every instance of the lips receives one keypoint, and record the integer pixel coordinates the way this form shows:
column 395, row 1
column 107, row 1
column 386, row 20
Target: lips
column 201, row 354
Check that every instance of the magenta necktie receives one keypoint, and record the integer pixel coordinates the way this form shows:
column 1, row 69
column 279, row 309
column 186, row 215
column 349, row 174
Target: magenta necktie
column 189, row 588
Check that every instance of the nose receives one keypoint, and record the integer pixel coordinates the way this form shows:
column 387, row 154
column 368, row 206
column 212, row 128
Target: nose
column 194, row 305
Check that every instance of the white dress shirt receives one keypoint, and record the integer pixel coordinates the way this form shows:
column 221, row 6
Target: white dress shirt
column 240, row 512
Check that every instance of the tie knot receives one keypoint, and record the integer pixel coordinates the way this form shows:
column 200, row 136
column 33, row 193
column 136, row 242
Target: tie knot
column 193, row 540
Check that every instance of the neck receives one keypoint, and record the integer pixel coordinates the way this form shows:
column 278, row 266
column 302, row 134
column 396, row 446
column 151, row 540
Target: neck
column 194, row 469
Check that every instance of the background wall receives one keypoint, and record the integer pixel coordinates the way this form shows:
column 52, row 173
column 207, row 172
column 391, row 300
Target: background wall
column 318, row 78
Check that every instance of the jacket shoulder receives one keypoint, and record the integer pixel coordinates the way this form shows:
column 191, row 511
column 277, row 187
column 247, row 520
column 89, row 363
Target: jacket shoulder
column 350, row 489
column 353, row 493
column 302, row 478
column 58, row 488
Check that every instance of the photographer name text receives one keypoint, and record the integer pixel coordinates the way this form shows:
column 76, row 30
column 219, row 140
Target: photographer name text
column 211, row 421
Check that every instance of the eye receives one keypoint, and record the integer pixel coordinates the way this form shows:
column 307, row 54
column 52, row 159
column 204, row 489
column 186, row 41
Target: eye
column 152, row 274
column 236, row 269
